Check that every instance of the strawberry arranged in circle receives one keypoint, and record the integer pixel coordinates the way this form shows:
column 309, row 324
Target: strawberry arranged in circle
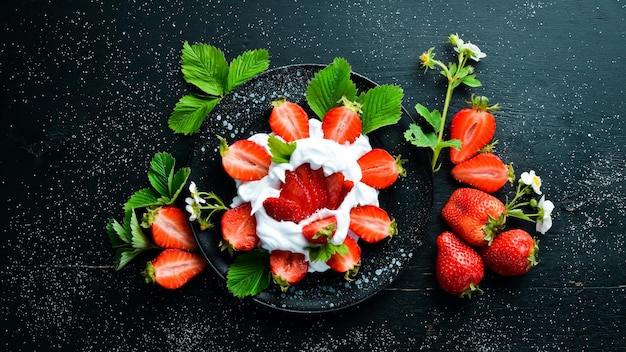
column 348, row 262
column 485, row 171
column 512, row 253
column 287, row 267
column 474, row 127
column 239, row 229
column 458, row 267
column 244, row 160
column 342, row 124
column 173, row 268
column 380, row 169
column 372, row 223
column 289, row 120
column 474, row 215
column 170, row 229
column 320, row 231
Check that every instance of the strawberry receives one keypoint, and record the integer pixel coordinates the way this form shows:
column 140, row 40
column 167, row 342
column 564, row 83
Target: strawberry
column 379, row 169
column 283, row 209
column 485, row 171
column 173, row 268
column 287, row 267
column 347, row 262
column 239, row 229
column 343, row 124
column 458, row 267
column 289, row 120
column 371, row 223
column 512, row 253
column 170, row 229
column 314, row 181
column 474, row 215
column 337, row 188
column 244, row 160
column 320, row 231
column 474, row 127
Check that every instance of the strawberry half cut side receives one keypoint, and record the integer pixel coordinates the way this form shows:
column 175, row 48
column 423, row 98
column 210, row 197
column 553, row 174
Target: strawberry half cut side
column 170, row 229
column 287, row 268
column 289, row 120
column 245, row 160
column 239, row 229
column 485, row 171
column 173, row 268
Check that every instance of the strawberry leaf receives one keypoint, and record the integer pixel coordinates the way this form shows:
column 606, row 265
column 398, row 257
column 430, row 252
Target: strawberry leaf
column 178, row 182
column 160, row 173
column 329, row 85
column 190, row 112
column 381, row 106
column 249, row 274
column 246, row 66
column 143, row 198
column 324, row 252
column 128, row 239
column 281, row 151
column 471, row 81
column 417, row 137
column 433, row 118
column 205, row 67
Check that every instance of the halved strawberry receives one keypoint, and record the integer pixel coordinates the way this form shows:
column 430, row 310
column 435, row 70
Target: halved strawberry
column 287, row 267
column 337, row 187
column 289, row 120
column 343, row 124
column 320, row 231
column 283, row 209
column 348, row 262
column 170, row 229
column 372, row 223
column 173, row 268
column 474, row 127
column 294, row 189
column 379, row 169
column 485, row 171
column 244, row 160
column 239, row 229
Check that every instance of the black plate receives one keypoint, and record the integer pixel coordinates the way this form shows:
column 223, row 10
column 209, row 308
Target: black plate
column 246, row 111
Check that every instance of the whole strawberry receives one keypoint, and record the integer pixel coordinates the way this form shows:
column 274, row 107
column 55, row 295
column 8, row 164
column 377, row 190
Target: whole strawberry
column 459, row 268
column 512, row 253
column 474, row 215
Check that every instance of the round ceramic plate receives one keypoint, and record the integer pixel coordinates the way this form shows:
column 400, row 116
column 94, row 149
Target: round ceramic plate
column 246, row 111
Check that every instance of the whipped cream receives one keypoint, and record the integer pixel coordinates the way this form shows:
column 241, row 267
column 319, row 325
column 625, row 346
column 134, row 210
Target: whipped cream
column 319, row 152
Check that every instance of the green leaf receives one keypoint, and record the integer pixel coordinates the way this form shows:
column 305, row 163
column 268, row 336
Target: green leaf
column 453, row 143
column 114, row 229
column 417, row 137
column 324, row 252
column 205, row 67
column 433, row 118
column 380, row 106
column 190, row 112
column 471, row 81
column 328, row 86
column 246, row 66
column 141, row 199
column 249, row 274
column 519, row 214
column 138, row 239
column 178, row 182
column 161, row 172
column 123, row 256
column 280, row 150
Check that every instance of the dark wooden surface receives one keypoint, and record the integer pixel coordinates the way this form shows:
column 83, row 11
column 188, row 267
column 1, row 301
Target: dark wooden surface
column 86, row 90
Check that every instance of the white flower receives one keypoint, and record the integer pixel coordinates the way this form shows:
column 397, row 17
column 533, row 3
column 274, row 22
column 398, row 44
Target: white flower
column 192, row 208
column 193, row 189
column 544, row 221
column 469, row 49
column 530, row 179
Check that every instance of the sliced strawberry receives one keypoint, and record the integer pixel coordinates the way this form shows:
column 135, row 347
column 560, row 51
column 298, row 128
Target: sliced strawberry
column 343, row 124
column 287, row 267
column 289, row 120
column 173, row 268
column 170, row 229
column 244, row 160
column 485, row 171
column 474, row 127
column 347, row 262
column 315, row 184
column 320, row 231
column 282, row 209
column 239, row 229
column 372, row 223
column 379, row 169
column 294, row 189
column 337, row 187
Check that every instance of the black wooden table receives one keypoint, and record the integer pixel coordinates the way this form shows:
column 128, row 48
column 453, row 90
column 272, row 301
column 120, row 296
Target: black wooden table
column 87, row 87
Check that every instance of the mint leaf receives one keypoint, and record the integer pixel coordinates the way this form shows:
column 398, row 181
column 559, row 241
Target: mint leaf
column 246, row 66
column 433, row 118
column 280, row 150
column 249, row 274
column 205, row 67
column 417, row 137
column 381, row 106
column 329, row 85
column 190, row 112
